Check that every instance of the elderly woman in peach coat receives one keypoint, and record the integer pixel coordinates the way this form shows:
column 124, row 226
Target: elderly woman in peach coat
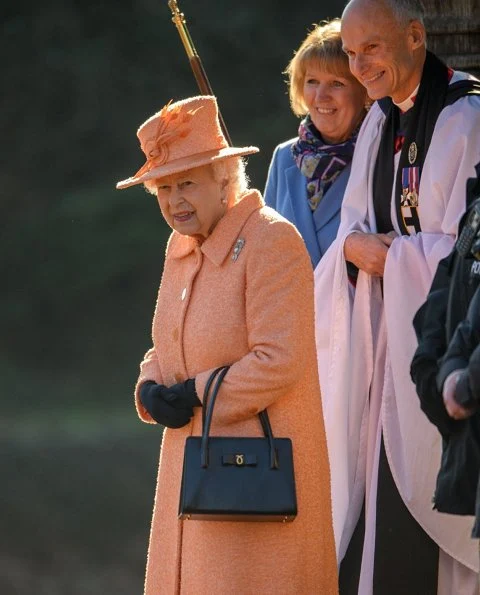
column 237, row 289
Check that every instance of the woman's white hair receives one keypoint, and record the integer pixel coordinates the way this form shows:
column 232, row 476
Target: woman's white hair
column 229, row 172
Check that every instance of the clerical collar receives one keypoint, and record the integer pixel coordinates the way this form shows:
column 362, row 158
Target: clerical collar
column 405, row 105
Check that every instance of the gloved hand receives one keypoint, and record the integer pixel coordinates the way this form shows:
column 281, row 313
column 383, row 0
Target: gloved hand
column 170, row 406
column 182, row 395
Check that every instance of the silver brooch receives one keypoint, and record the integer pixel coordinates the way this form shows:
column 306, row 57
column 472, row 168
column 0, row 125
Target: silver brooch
column 239, row 244
column 412, row 153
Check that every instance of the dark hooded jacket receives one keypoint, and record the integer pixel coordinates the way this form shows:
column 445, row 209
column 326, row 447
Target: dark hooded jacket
column 448, row 332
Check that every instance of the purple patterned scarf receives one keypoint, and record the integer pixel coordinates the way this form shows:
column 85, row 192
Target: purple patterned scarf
column 320, row 163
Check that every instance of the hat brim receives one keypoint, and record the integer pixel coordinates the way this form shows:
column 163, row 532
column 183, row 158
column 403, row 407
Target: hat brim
column 179, row 165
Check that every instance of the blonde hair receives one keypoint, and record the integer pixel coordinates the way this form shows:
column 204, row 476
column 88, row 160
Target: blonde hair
column 323, row 48
column 231, row 169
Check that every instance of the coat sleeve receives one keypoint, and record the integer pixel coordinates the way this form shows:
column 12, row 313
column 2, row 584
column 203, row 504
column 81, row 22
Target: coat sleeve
column 463, row 353
column 149, row 370
column 470, row 396
column 149, row 367
column 279, row 319
column 429, row 324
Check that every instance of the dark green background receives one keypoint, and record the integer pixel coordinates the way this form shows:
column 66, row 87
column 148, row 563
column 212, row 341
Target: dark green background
column 80, row 262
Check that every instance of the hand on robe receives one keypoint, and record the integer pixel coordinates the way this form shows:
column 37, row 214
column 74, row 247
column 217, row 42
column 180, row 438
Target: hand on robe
column 368, row 251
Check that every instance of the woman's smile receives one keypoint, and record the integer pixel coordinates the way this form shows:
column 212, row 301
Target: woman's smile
column 183, row 216
column 325, row 111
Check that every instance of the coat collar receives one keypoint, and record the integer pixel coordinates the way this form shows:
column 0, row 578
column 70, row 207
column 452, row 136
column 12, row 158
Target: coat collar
column 218, row 245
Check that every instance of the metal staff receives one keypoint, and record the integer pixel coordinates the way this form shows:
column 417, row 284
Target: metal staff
column 196, row 64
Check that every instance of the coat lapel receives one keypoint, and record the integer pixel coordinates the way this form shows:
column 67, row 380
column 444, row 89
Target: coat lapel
column 332, row 201
column 221, row 242
column 302, row 215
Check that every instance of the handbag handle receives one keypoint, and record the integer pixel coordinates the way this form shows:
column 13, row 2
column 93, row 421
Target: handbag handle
column 207, row 414
column 212, row 377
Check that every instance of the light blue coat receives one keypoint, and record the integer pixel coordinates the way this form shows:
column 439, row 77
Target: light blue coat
column 286, row 192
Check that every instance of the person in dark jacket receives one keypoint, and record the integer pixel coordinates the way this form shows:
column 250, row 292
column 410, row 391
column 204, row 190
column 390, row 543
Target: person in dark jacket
column 446, row 365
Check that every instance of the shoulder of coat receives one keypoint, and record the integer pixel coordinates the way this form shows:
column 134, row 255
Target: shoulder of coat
column 287, row 144
column 266, row 226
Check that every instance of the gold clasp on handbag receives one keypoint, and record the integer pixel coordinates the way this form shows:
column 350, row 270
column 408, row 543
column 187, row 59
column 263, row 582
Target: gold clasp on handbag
column 239, row 460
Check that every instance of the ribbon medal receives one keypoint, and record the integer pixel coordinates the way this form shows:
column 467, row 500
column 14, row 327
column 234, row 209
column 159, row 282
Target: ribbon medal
column 409, row 199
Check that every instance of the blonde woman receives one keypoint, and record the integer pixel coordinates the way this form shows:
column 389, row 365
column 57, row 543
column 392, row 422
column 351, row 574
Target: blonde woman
column 308, row 174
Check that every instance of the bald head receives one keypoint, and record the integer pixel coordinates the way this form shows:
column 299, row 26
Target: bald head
column 402, row 11
column 385, row 44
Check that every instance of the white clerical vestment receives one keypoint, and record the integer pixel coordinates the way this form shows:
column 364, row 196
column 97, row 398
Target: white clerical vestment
column 366, row 341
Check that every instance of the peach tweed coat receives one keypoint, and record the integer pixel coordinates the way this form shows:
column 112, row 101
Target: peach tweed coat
column 256, row 313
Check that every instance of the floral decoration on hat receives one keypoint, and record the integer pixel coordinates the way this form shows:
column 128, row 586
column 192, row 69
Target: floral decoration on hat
column 171, row 126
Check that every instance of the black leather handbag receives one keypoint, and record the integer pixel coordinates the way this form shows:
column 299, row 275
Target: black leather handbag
column 236, row 478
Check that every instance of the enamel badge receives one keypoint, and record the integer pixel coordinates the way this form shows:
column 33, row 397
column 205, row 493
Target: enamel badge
column 412, row 153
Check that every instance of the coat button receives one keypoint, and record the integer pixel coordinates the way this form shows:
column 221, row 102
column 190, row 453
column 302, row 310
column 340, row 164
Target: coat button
column 184, row 293
column 178, row 377
column 175, row 334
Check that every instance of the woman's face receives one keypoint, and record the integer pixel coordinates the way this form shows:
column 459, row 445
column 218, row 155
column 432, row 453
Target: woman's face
column 336, row 104
column 192, row 202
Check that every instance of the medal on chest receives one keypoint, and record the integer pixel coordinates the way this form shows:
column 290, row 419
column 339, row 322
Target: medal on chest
column 409, row 204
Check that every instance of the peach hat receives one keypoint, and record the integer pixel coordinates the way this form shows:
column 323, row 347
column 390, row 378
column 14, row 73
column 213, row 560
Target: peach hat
column 181, row 136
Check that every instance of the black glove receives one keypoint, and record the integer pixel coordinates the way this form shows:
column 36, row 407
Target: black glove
column 172, row 407
column 182, row 395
